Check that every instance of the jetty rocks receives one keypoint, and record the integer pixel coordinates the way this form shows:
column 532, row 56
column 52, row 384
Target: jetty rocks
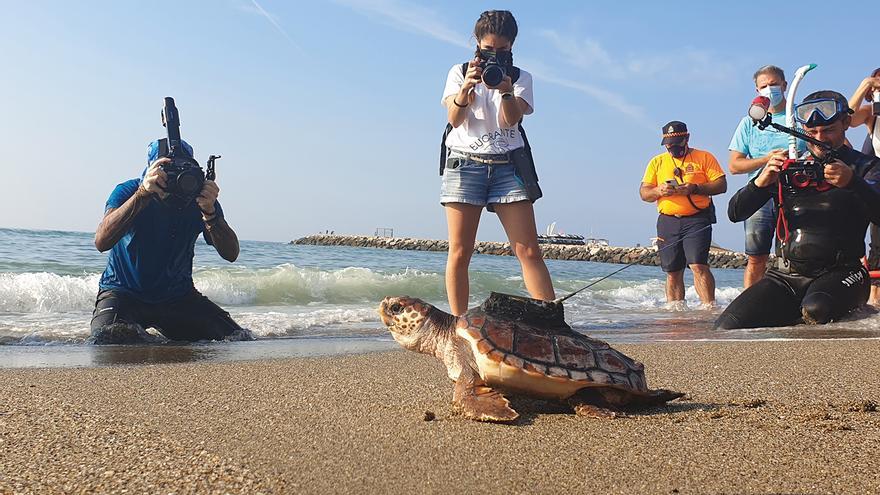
column 718, row 258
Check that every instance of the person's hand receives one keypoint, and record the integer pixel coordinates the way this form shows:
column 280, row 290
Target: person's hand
column 838, row 174
column 872, row 83
column 666, row 190
column 687, row 189
column 505, row 86
column 472, row 77
column 770, row 174
column 155, row 179
column 208, row 197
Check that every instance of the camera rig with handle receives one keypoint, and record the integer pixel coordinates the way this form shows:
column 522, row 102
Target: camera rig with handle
column 184, row 176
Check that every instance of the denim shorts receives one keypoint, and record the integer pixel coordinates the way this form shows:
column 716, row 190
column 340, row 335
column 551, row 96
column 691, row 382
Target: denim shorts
column 480, row 184
column 760, row 229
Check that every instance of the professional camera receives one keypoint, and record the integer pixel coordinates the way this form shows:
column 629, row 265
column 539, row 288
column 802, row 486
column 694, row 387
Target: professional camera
column 494, row 65
column 876, row 105
column 185, row 177
column 803, row 174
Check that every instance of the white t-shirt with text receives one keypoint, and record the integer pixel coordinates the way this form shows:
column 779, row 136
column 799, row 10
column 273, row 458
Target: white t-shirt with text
column 481, row 132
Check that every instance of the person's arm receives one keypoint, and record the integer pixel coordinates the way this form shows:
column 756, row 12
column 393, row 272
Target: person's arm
column 456, row 104
column 117, row 221
column 217, row 232
column 755, row 194
column 839, row 174
column 717, row 186
column 747, row 201
column 651, row 193
column 512, row 107
column 740, row 163
column 863, row 113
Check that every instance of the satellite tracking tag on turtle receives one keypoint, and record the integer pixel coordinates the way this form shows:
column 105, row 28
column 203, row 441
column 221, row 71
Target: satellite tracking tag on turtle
column 518, row 345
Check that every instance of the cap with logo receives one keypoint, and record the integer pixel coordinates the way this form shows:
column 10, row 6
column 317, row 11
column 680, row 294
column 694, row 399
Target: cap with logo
column 674, row 132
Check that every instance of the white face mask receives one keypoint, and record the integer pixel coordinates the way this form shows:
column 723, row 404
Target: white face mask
column 774, row 93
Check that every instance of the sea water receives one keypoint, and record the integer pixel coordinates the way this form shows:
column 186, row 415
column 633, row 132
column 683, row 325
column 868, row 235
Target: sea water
column 286, row 293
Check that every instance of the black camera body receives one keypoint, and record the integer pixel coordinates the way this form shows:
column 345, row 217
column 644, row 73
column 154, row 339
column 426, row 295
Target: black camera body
column 494, row 65
column 185, row 177
column 875, row 106
column 803, row 175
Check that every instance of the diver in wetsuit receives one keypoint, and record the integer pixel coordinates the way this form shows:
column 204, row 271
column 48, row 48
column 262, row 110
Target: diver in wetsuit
column 818, row 276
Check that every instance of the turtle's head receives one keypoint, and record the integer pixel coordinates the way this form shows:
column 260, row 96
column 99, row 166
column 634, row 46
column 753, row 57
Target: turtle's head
column 406, row 319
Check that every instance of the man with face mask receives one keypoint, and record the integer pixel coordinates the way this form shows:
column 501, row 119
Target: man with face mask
column 681, row 181
column 819, row 276
column 750, row 149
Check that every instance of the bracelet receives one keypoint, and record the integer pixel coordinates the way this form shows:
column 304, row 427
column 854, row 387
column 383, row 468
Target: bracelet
column 506, row 96
column 456, row 103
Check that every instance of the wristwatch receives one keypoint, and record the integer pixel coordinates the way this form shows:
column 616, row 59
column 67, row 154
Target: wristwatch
column 506, row 96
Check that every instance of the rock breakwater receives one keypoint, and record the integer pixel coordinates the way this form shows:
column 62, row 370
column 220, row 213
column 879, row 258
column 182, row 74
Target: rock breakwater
column 600, row 254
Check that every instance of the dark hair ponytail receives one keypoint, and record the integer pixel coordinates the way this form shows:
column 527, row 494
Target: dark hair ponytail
column 497, row 22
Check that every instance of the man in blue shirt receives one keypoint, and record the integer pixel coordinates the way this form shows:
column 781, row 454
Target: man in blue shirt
column 148, row 279
column 750, row 149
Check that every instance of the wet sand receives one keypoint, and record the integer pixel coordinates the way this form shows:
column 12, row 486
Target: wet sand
column 759, row 417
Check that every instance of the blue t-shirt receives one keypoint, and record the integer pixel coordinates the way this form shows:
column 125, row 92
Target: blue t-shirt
column 153, row 260
column 755, row 143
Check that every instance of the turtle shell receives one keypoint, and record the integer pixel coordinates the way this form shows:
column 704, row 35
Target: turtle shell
column 544, row 359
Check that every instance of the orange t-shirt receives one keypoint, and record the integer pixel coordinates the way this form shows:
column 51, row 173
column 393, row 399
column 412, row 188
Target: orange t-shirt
column 698, row 167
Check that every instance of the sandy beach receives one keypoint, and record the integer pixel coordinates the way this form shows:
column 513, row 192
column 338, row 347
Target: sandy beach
column 759, row 417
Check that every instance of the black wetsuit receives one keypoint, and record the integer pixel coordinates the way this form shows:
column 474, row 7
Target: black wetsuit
column 819, row 276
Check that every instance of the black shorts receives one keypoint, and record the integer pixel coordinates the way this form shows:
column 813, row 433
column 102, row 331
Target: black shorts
column 189, row 318
column 782, row 299
column 694, row 246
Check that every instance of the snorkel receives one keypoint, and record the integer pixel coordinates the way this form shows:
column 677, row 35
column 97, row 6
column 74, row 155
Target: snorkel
column 789, row 108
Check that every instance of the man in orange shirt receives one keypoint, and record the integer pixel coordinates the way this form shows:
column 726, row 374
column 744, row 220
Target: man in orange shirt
column 681, row 181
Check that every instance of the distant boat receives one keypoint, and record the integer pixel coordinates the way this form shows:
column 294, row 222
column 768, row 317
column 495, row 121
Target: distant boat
column 550, row 236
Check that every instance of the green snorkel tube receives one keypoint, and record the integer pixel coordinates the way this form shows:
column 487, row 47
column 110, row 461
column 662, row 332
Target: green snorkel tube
column 789, row 107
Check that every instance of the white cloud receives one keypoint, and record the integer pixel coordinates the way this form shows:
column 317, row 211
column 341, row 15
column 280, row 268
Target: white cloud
column 409, row 17
column 684, row 65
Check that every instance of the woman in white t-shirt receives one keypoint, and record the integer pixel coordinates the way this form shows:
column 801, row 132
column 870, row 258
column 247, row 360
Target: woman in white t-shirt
column 479, row 171
column 864, row 114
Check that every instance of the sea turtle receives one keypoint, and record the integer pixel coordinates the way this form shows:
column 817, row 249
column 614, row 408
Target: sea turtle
column 518, row 345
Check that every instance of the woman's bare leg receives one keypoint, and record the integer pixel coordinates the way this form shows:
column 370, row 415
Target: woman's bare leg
column 462, row 221
column 518, row 220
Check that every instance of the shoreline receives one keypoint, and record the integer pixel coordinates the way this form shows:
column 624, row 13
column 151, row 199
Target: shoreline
column 647, row 256
column 793, row 417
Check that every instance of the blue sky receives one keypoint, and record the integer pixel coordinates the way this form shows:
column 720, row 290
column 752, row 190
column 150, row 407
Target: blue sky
column 327, row 114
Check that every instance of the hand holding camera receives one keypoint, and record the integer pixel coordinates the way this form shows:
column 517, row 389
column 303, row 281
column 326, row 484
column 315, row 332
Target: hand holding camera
column 837, row 173
column 208, row 197
column 155, row 180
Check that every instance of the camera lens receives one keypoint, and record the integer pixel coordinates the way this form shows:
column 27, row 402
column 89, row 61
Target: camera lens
column 800, row 179
column 188, row 183
column 493, row 75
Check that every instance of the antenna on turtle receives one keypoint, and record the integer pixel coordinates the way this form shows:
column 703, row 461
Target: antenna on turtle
column 615, row 272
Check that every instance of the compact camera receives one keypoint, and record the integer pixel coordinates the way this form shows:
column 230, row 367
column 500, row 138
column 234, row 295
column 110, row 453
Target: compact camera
column 185, row 177
column 803, row 174
column 876, row 105
column 494, row 65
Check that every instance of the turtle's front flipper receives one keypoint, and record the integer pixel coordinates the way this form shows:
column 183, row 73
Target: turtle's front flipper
column 474, row 400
